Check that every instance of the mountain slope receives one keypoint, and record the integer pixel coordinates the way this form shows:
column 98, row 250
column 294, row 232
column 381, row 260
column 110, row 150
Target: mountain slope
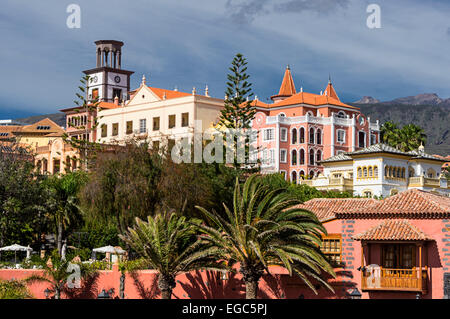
column 434, row 119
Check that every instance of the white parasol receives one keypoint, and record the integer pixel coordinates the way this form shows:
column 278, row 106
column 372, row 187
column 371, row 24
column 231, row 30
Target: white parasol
column 15, row 248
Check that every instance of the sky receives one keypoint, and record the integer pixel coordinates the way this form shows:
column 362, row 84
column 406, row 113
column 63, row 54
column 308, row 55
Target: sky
column 186, row 44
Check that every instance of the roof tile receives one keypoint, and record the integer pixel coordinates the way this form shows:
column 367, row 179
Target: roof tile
column 393, row 229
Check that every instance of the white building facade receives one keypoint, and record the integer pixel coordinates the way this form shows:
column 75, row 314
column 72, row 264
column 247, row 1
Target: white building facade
column 381, row 171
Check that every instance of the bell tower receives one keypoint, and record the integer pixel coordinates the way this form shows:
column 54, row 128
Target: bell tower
column 108, row 79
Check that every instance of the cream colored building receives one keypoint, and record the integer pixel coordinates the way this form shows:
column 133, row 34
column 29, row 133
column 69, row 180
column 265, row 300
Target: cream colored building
column 381, row 170
column 157, row 115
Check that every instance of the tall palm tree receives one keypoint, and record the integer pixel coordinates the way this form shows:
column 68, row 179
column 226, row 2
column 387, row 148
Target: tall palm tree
column 171, row 245
column 266, row 228
column 55, row 273
column 62, row 202
column 411, row 136
column 390, row 133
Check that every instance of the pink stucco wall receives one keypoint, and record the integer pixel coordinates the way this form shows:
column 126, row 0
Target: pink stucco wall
column 435, row 254
column 193, row 285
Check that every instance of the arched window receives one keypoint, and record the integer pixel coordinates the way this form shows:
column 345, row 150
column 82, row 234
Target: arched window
column 368, row 194
column 311, row 157
column 375, row 171
column 359, row 172
column 302, row 135
column 302, row 174
column 390, row 172
column 310, row 113
column 398, row 172
column 386, row 171
column 294, row 177
column 311, row 135
column 431, row 173
column 302, row 156
column 319, row 136
column 318, row 156
column 370, row 171
column 39, row 166
column 341, row 114
column 282, row 115
column 365, row 172
column 294, row 157
column 294, row 136
column 411, row 172
column 311, row 174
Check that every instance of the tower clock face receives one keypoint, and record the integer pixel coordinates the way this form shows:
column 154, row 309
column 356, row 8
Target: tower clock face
column 94, row 79
column 117, row 79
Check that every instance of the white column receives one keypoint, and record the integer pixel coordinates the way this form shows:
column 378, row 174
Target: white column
column 353, row 132
column 277, row 147
column 332, row 134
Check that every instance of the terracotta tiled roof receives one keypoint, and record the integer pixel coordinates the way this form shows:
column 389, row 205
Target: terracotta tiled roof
column 410, row 203
column 107, row 105
column 311, row 99
column 258, row 103
column 393, row 229
column 170, row 94
column 330, row 91
column 287, row 85
column 325, row 208
column 7, row 131
column 45, row 126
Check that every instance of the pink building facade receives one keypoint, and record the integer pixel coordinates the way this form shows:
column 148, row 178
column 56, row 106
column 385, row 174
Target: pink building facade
column 300, row 129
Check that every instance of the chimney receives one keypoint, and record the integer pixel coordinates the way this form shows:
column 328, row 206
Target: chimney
column 116, row 100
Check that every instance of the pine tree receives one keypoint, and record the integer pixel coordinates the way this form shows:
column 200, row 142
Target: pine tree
column 84, row 104
column 238, row 112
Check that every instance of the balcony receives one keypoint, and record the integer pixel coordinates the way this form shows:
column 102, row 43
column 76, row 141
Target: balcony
column 421, row 181
column 325, row 183
column 388, row 279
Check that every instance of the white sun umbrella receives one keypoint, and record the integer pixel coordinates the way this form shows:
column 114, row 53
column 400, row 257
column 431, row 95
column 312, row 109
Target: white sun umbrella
column 15, row 248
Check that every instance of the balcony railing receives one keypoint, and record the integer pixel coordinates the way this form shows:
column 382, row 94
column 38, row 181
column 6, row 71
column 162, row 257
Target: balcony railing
column 426, row 181
column 395, row 279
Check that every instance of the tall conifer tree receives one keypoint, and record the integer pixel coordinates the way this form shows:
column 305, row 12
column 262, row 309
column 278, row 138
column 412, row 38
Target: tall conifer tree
column 238, row 112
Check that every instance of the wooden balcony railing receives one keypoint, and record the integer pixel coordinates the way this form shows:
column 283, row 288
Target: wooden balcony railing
column 395, row 279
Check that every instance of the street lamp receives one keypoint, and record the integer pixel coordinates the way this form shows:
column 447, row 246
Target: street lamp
column 355, row 294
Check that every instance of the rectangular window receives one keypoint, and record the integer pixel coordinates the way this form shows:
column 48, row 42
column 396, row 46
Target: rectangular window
column 142, row 125
column 398, row 256
column 94, row 94
column 373, row 139
column 171, row 144
column 331, row 247
column 129, row 127
column 272, row 156
column 172, row 120
column 115, row 129
column 155, row 145
column 118, row 93
column 268, row 134
column 283, row 156
column 341, row 136
column 104, row 130
column 362, row 139
column 156, row 123
column 283, row 134
column 184, row 119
